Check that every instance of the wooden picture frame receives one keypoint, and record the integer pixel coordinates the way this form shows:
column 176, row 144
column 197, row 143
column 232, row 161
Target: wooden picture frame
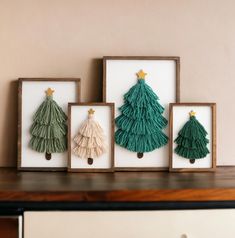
column 118, row 76
column 206, row 116
column 104, row 113
column 32, row 85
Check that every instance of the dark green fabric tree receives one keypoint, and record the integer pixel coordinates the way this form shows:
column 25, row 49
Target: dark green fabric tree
column 141, row 121
column 49, row 129
column 191, row 141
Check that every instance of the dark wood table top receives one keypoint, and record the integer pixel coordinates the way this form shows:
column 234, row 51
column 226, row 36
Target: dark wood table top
column 116, row 187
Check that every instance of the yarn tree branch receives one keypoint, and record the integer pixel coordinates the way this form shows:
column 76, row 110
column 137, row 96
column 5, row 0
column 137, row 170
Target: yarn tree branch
column 191, row 141
column 141, row 121
column 90, row 139
column 49, row 129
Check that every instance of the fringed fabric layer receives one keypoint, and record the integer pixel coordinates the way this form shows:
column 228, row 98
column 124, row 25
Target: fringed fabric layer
column 141, row 112
column 93, row 152
column 193, row 129
column 140, row 143
column 141, row 126
column 89, row 142
column 141, row 95
column 193, row 144
column 190, row 153
column 55, row 130
column 56, row 145
column 49, row 112
column 90, row 128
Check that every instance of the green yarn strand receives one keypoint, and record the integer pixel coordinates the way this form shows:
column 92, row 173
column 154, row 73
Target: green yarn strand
column 141, row 95
column 195, row 143
column 141, row 126
column 55, row 130
column 190, row 153
column 49, row 112
column 140, row 143
column 141, row 112
column 56, row 145
column 193, row 129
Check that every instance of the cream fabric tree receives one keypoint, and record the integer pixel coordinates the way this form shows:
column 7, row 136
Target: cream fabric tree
column 90, row 140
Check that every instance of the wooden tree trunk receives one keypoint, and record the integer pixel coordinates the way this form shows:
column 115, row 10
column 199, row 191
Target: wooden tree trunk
column 140, row 155
column 192, row 161
column 48, row 156
column 90, row 161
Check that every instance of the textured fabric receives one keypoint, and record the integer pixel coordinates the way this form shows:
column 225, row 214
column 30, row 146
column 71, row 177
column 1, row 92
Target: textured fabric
column 191, row 141
column 90, row 140
column 141, row 122
column 49, row 129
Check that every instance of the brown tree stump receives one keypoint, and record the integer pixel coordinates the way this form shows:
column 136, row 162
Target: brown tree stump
column 90, row 161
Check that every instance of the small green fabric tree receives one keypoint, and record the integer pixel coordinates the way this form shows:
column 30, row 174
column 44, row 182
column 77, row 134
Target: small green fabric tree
column 141, row 121
column 49, row 129
column 191, row 141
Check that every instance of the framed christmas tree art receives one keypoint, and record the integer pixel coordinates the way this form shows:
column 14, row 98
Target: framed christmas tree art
column 42, row 122
column 91, row 137
column 141, row 88
column 192, row 137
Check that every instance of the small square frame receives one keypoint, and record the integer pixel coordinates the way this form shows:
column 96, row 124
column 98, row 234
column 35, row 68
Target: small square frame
column 212, row 136
column 119, row 76
column 48, row 82
column 71, row 134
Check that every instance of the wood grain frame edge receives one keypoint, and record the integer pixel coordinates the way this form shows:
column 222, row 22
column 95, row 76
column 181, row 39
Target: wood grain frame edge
column 111, row 105
column 141, row 169
column 19, row 123
column 177, row 99
column 212, row 105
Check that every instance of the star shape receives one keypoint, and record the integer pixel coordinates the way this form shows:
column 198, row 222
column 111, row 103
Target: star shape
column 91, row 111
column 192, row 114
column 141, row 74
column 49, row 92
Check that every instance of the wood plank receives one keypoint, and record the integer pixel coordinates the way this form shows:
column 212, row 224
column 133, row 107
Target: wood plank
column 119, row 186
column 9, row 227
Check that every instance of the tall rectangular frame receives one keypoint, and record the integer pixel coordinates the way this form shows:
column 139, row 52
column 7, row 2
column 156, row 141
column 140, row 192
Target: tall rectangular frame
column 19, row 141
column 213, row 110
column 177, row 94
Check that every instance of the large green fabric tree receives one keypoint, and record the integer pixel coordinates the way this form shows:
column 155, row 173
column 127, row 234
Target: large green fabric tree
column 141, row 122
column 191, row 141
column 49, row 129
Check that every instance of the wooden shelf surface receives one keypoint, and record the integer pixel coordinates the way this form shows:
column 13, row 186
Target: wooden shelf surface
column 116, row 187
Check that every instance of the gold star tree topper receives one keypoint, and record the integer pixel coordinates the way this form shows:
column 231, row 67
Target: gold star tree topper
column 49, row 92
column 141, row 74
column 192, row 113
column 91, row 111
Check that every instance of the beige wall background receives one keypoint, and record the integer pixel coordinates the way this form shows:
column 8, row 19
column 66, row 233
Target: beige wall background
column 67, row 38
